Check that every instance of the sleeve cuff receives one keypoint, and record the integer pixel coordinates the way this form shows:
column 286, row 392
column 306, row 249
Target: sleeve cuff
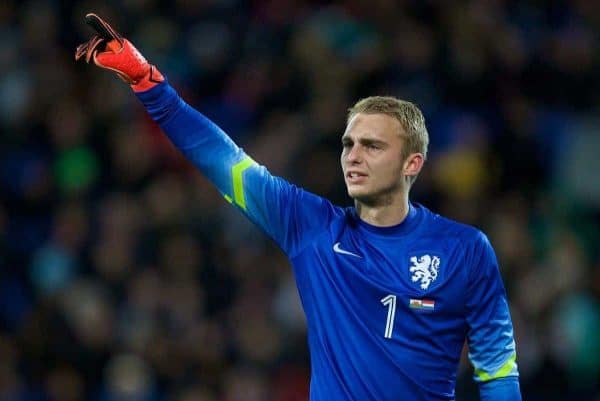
column 502, row 389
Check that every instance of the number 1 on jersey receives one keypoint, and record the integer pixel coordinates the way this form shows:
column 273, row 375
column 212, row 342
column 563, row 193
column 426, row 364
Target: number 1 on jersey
column 390, row 302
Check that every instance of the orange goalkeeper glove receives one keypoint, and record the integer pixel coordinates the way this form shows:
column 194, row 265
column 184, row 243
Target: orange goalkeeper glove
column 110, row 50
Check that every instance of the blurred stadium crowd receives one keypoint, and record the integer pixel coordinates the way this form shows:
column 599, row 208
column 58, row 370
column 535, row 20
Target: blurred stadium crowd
column 125, row 276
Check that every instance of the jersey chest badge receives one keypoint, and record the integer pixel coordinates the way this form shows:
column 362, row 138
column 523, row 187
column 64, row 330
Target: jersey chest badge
column 424, row 270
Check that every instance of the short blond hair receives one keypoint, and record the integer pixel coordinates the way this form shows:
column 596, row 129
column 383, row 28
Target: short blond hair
column 408, row 114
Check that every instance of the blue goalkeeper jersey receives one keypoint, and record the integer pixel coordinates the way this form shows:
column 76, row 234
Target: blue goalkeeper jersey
column 388, row 308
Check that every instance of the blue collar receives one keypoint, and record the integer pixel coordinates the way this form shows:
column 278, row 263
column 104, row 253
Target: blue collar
column 406, row 226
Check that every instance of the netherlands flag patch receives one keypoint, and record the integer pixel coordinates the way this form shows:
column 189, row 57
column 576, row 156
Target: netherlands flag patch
column 427, row 304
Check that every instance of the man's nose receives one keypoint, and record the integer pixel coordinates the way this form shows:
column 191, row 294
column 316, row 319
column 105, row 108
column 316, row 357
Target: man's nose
column 354, row 155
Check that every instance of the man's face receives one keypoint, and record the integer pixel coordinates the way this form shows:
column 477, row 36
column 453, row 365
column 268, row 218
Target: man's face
column 372, row 159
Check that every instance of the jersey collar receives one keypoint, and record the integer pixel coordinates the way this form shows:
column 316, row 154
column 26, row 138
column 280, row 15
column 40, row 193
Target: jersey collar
column 406, row 226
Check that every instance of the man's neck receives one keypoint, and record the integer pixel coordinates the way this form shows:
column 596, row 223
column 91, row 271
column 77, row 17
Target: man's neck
column 386, row 215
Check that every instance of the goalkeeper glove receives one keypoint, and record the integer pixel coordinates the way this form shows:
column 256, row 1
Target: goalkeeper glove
column 111, row 51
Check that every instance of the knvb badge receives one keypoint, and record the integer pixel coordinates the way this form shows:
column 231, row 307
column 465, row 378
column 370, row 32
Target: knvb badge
column 422, row 304
column 424, row 270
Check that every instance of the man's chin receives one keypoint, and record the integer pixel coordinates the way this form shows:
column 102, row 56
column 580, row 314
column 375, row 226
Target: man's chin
column 354, row 193
column 358, row 195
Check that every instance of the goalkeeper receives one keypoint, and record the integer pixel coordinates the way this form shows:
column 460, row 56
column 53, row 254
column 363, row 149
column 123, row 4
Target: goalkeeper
column 391, row 291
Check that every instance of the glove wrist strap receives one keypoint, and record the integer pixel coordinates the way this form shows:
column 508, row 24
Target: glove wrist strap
column 150, row 80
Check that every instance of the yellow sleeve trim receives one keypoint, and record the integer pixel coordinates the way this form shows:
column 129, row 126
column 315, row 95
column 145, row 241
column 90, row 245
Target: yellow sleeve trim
column 504, row 370
column 238, row 181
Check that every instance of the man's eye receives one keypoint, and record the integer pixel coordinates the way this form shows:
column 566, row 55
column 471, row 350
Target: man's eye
column 373, row 146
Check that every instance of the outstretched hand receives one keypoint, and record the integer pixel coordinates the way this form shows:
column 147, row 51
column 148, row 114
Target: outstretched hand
column 109, row 50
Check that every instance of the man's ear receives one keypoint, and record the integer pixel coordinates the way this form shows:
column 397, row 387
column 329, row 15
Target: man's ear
column 413, row 164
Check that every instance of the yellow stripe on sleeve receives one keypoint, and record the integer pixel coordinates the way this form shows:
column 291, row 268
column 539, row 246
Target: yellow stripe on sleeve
column 504, row 370
column 238, row 181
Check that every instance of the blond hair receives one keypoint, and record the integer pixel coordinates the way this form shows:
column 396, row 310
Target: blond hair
column 408, row 114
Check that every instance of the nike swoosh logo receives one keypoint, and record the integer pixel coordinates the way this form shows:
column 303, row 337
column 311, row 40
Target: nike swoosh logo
column 338, row 249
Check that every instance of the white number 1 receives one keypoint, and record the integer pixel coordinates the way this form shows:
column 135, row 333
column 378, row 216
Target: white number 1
column 390, row 302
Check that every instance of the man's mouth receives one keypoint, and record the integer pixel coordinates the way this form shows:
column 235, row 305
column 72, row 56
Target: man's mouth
column 355, row 177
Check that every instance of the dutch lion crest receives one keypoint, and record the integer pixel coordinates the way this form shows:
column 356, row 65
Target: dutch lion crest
column 424, row 268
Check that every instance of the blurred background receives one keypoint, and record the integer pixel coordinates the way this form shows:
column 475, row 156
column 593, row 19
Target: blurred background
column 125, row 276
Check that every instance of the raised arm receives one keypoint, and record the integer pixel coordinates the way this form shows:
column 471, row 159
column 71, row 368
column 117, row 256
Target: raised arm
column 288, row 214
